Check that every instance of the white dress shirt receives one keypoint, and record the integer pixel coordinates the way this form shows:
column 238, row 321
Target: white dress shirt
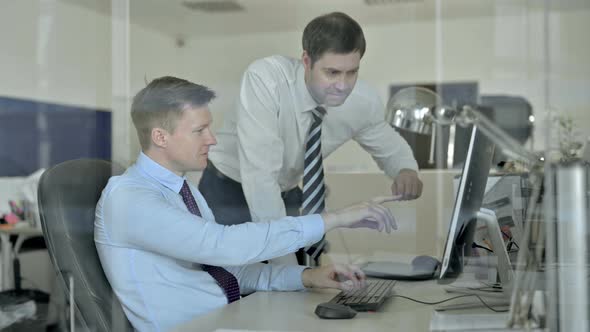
column 151, row 248
column 262, row 141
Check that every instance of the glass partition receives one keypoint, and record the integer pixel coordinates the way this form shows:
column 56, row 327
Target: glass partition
column 522, row 65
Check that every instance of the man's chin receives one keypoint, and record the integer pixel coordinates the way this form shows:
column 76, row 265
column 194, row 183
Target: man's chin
column 335, row 102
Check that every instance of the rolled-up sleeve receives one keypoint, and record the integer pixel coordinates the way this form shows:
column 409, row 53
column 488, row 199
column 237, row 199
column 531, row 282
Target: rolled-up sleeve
column 386, row 146
column 268, row 277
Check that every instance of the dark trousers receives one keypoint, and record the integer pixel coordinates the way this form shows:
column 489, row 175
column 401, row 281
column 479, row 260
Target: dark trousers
column 226, row 199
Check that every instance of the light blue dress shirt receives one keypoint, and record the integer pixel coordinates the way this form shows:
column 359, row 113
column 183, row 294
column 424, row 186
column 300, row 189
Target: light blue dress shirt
column 151, row 248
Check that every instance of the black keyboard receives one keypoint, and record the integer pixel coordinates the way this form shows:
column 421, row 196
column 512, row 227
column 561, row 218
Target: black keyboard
column 369, row 298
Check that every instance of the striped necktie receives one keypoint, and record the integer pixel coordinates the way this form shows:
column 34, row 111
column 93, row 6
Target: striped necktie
column 313, row 177
column 226, row 280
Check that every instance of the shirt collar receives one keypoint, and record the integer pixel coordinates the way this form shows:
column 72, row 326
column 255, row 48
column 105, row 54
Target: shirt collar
column 159, row 173
column 307, row 100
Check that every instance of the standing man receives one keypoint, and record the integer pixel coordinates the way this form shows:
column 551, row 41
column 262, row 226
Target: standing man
column 292, row 113
column 164, row 254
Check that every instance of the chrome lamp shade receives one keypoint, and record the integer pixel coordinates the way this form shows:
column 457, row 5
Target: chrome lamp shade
column 417, row 109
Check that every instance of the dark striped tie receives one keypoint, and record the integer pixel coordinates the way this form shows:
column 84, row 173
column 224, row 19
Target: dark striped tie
column 313, row 178
column 226, row 280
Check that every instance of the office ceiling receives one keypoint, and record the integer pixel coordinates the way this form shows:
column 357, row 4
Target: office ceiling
column 172, row 17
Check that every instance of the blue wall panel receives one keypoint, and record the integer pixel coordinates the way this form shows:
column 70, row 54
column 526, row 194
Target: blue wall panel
column 35, row 135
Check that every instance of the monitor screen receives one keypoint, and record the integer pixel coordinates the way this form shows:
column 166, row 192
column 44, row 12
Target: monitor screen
column 467, row 203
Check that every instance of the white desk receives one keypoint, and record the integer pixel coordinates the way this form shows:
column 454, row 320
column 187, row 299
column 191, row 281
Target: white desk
column 294, row 311
column 423, row 227
column 24, row 232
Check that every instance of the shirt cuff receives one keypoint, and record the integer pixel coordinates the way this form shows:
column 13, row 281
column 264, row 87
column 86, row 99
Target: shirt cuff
column 293, row 277
column 410, row 164
column 313, row 228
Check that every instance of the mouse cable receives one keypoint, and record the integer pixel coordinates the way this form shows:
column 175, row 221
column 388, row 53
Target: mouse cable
column 452, row 298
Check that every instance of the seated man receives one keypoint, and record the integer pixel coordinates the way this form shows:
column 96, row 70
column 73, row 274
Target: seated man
column 166, row 258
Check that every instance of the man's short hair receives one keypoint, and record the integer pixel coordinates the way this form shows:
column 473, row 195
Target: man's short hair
column 335, row 32
column 161, row 103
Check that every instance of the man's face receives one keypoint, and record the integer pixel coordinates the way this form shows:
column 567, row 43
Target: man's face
column 332, row 77
column 187, row 147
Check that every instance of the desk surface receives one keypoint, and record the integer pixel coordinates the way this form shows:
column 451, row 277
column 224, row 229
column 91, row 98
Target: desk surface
column 294, row 311
column 24, row 229
column 423, row 228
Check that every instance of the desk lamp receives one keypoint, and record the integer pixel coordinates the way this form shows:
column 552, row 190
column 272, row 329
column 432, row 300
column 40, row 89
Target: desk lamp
column 421, row 110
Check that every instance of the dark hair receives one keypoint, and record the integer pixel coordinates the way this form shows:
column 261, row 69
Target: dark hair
column 162, row 102
column 335, row 32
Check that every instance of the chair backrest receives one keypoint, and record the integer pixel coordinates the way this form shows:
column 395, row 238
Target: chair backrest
column 68, row 193
column 512, row 114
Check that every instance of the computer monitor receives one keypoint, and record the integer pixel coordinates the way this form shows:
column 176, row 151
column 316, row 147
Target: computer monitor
column 467, row 206
column 467, row 203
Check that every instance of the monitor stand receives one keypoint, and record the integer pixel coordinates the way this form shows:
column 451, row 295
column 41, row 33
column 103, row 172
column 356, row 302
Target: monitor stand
column 498, row 300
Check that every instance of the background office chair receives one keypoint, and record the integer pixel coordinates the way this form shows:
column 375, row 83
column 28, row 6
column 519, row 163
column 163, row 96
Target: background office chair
column 514, row 115
column 68, row 193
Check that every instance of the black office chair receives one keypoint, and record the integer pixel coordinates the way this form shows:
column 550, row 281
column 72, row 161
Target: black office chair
column 513, row 115
column 68, row 194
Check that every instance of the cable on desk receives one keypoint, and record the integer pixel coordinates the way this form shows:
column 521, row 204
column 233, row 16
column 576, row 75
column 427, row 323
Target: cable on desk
column 490, row 288
column 450, row 299
column 475, row 245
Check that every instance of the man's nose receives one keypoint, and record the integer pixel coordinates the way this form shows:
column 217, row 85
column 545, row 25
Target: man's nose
column 341, row 84
column 212, row 139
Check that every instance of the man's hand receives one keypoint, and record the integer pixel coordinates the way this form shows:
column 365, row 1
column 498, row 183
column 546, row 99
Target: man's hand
column 344, row 277
column 407, row 184
column 369, row 214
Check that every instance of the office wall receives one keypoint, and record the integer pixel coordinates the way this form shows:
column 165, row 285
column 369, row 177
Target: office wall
column 56, row 52
column 59, row 53
column 504, row 53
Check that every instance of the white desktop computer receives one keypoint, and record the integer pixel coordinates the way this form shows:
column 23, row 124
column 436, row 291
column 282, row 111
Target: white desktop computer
column 469, row 209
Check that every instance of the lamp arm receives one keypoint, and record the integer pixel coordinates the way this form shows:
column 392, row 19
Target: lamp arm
column 432, row 145
column 509, row 146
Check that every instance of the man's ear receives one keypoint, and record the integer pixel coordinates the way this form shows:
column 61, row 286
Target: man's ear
column 306, row 59
column 160, row 137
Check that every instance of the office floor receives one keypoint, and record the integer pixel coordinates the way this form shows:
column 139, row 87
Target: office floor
column 37, row 273
column 33, row 325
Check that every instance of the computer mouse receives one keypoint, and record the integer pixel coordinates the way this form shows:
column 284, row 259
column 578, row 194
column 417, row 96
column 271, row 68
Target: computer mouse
column 328, row 310
column 425, row 263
